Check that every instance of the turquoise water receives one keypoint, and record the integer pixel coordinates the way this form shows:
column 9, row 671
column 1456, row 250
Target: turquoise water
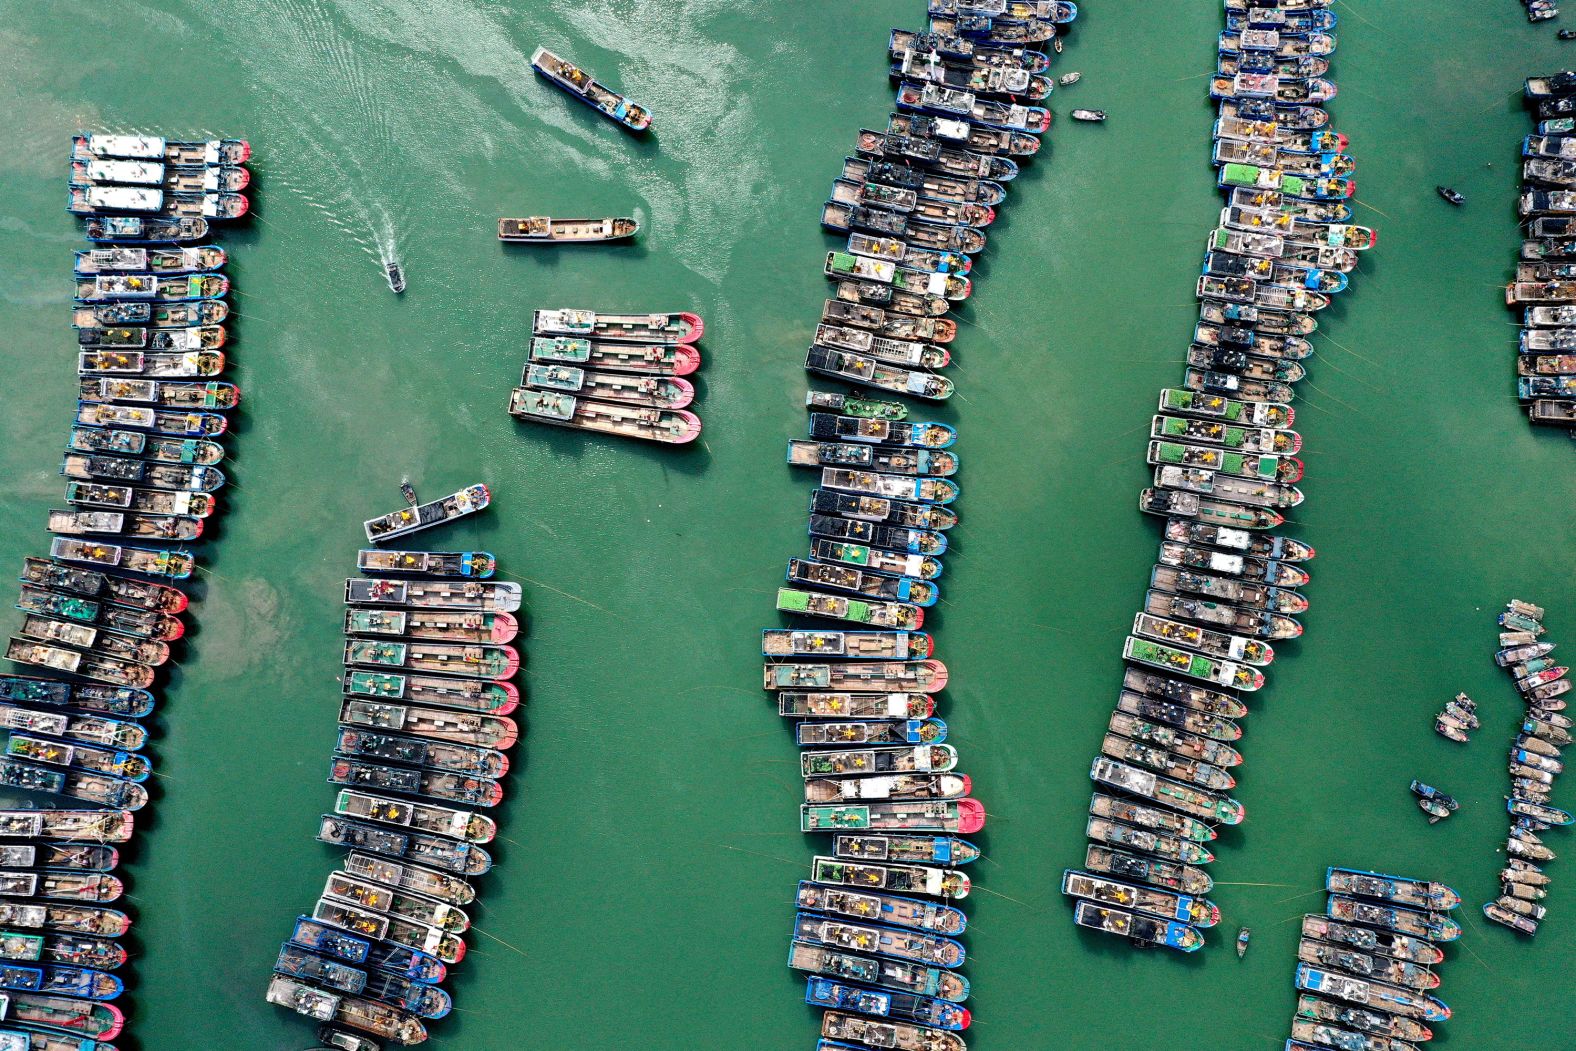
column 644, row 885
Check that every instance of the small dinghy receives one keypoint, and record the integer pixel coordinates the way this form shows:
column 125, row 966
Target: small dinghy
column 1091, row 115
column 1433, row 802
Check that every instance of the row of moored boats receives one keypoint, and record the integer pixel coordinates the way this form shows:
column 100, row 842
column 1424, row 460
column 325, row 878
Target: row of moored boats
column 621, row 374
column 877, row 928
column 1224, row 592
column 1535, row 763
column 418, row 761
column 1365, row 967
column 1544, row 285
column 102, row 610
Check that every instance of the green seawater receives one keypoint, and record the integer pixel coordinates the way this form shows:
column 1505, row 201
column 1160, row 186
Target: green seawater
column 642, row 897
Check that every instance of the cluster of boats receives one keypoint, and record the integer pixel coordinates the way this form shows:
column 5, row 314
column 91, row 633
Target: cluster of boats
column 877, row 928
column 1365, row 967
column 1535, row 762
column 1224, row 592
column 419, row 758
column 621, row 374
column 102, row 609
column 1544, row 285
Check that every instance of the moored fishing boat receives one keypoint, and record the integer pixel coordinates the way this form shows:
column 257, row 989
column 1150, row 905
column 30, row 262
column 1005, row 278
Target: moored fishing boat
column 1369, row 939
column 1180, row 691
column 850, row 645
column 578, row 84
column 98, row 414
column 1379, row 1022
column 901, row 40
column 157, row 287
column 108, row 586
column 467, row 660
column 937, row 758
column 961, row 134
column 468, row 595
column 128, row 229
column 1431, row 925
column 1240, row 620
column 911, row 541
column 1308, row 1035
column 467, row 728
column 383, row 1020
column 210, row 395
column 1204, row 749
column 96, row 666
column 1387, row 998
column 421, row 753
column 868, row 370
column 914, row 462
column 1248, row 567
column 887, row 973
column 1142, row 930
column 1273, row 548
column 1178, row 877
column 445, row 626
column 1362, row 965
column 1144, row 784
column 1180, row 716
column 627, row 328
column 1251, row 594
column 659, row 392
column 963, row 75
column 909, row 879
column 121, row 362
column 904, row 1007
column 859, row 677
column 127, row 620
column 477, row 565
column 328, row 940
column 670, row 426
column 930, row 850
column 890, row 324
column 952, row 102
column 953, row 163
column 906, row 255
column 929, row 815
column 1398, row 889
column 894, row 300
column 1219, row 672
column 149, row 260
column 900, row 615
column 874, row 732
column 887, row 786
column 176, row 564
column 795, row 704
column 891, row 563
column 868, row 1032
column 452, row 855
column 1147, row 841
column 670, row 359
column 1151, row 901
column 99, row 826
column 197, row 313
column 493, row 698
column 209, row 338
column 896, row 942
column 541, row 229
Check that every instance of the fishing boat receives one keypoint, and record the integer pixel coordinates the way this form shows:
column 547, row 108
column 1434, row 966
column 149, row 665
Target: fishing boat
column 466, row 859
column 911, row 541
column 890, row 563
column 933, row 850
column 930, row 1012
column 911, row 879
column 1147, row 841
column 1178, row 691
column 383, row 1020
column 197, row 153
column 149, row 260
column 1188, row 459
column 884, row 323
column 111, row 587
column 960, row 134
column 1142, row 930
column 395, row 903
column 1380, row 1023
column 467, row 660
column 859, row 677
column 1150, row 901
column 1509, row 918
column 1368, row 939
column 1205, row 749
column 126, row 362
column 1248, row 567
column 430, row 883
column 197, row 313
column 1345, row 960
column 894, row 300
column 1211, row 405
column 874, row 732
column 61, row 885
column 493, row 698
column 1145, row 784
column 868, row 1032
column 795, row 704
column 1431, row 925
column 844, row 266
column 100, row 826
column 210, row 395
column 902, row 352
column 173, row 178
column 475, row 565
column 176, row 564
column 901, row 40
column 868, row 370
column 659, row 392
column 541, row 229
column 577, row 83
column 887, row 787
column 998, row 81
column 412, row 519
column 948, row 162
column 923, row 463
column 123, row 619
column 1258, row 545
column 675, row 359
column 96, row 666
column 467, row 728
column 483, row 763
column 887, row 973
column 1183, row 878
column 208, row 338
column 1388, row 998
column 898, row 943
column 1544, row 815
column 166, row 288
column 670, row 426
column 1247, row 593
column 937, row 758
column 128, row 229
column 957, row 815
column 662, row 329
column 927, row 435
column 328, row 940
column 849, row 645
column 1219, row 672
column 971, row 106
column 1184, row 769
column 1180, row 716
column 446, row 626
column 169, row 424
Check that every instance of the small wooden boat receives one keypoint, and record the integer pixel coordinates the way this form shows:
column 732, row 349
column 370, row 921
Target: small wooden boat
column 1089, row 116
column 412, row 519
column 1144, row 784
column 669, row 426
column 173, row 564
column 912, row 978
column 1387, row 998
column 1142, row 930
column 929, row 815
column 898, row 943
column 541, row 229
column 1509, row 918
column 467, row 728
column 886, row 908
column 578, row 84
column 380, row 1019
column 128, row 229
column 1368, row 939
column 659, row 392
